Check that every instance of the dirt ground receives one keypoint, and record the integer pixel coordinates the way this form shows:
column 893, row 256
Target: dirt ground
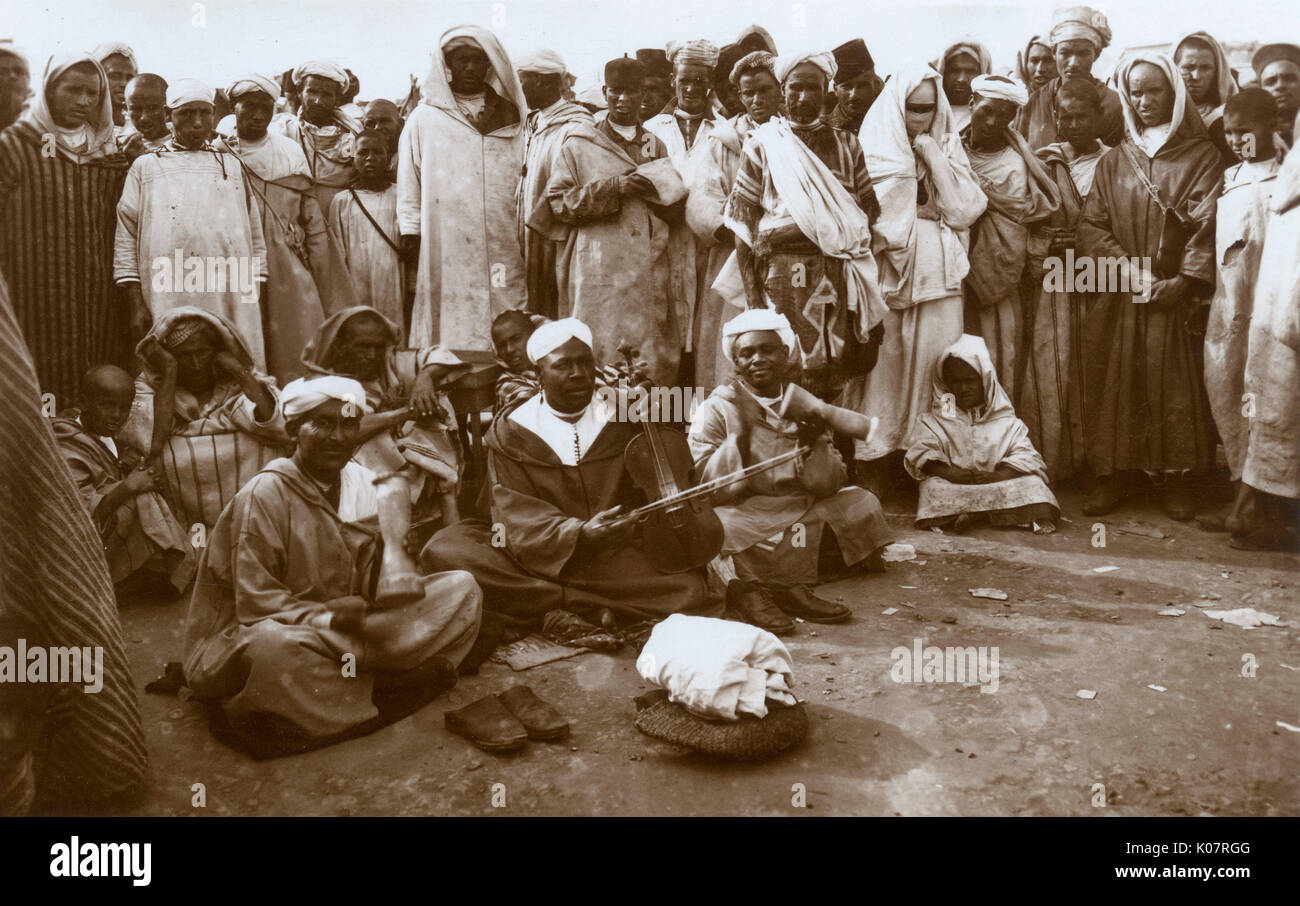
column 1209, row 744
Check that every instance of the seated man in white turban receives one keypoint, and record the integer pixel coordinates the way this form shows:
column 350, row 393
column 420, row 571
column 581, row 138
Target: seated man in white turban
column 801, row 210
column 285, row 635
column 326, row 133
column 1006, row 248
column 560, row 538
column 776, row 521
column 189, row 231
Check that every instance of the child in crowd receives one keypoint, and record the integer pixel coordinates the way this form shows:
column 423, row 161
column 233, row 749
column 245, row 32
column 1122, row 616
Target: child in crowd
column 518, row 382
column 364, row 217
column 971, row 453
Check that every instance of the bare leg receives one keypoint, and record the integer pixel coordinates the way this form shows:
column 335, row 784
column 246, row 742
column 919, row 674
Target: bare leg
column 399, row 580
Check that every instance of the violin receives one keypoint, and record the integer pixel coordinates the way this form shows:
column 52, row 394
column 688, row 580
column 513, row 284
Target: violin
column 679, row 531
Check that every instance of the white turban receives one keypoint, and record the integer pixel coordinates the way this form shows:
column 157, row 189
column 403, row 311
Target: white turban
column 106, row 50
column 554, row 334
column 756, row 319
column 698, row 53
column 326, row 70
column 543, row 61
column 305, row 394
column 1000, row 87
column 253, row 82
column 823, row 60
column 187, row 91
column 1080, row 23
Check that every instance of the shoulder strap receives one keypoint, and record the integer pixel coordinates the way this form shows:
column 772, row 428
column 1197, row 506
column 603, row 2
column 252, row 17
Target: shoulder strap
column 1127, row 150
column 374, row 223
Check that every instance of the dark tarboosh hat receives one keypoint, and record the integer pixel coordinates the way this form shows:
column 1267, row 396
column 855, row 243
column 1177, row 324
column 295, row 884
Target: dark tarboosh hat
column 1271, row 53
column 654, row 61
column 624, row 70
column 748, row 739
column 728, row 57
column 852, row 59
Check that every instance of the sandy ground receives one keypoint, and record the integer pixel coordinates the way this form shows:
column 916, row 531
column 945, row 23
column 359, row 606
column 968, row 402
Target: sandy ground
column 1209, row 744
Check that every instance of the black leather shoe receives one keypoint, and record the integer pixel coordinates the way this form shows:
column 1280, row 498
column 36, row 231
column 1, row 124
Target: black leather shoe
column 798, row 601
column 755, row 604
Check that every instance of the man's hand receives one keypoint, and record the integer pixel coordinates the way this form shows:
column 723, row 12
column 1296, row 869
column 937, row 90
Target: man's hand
column 139, row 318
column 1171, row 293
column 155, row 354
column 348, row 614
column 636, row 185
column 606, row 529
column 223, row 361
column 139, row 481
column 424, row 394
column 411, row 249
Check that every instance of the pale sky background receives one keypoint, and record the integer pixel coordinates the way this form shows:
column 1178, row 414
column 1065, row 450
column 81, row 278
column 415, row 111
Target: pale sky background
column 385, row 40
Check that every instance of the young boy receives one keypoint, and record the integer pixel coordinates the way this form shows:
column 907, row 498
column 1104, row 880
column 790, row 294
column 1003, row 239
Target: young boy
column 518, row 381
column 971, row 453
column 1241, row 218
column 364, row 217
column 134, row 521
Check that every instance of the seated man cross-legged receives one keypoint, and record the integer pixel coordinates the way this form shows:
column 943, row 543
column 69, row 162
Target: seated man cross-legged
column 285, row 635
column 559, row 538
column 775, row 520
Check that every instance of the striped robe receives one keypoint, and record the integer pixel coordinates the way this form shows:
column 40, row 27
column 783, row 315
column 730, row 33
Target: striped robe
column 55, row 591
column 56, row 251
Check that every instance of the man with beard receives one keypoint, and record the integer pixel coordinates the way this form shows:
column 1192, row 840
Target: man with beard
column 856, row 85
column 120, row 66
column 801, row 211
column 550, row 120
column 1079, row 34
column 285, row 635
column 689, row 122
column 1278, row 69
column 656, row 83
column 959, row 66
column 146, row 108
column 326, row 134
column 754, row 77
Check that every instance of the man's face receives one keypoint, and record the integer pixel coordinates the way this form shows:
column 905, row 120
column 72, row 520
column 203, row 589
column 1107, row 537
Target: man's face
column 360, row 349
column 106, row 411
column 384, row 119
column 1150, row 94
column 1041, row 65
column 253, row 112
column 510, row 340
column 327, row 438
column 469, row 69
column 320, row 97
column 568, row 376
column 961, row 70
column 918, row 109
column 15, row 82
column 146, row 107
column 1281, row 78
column 728, row 97
column 760, row 94
column 624, row 100
column 541, row 89
column 119, row 71
column 1074, row 58
column 371, row 159
column 1200, row 72
column 655, row 92
column 74, row 98
column 192, row 123
column 856, row 94
column 761, row 360
column 989, row 119
column 1249, row 139
column 194, row 357
column 1077, row 121
column 964, row 384
column 805, row 92
column 691, row 82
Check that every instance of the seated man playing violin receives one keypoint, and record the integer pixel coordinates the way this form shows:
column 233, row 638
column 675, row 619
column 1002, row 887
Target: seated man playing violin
column 775, row 521
column 561, row 536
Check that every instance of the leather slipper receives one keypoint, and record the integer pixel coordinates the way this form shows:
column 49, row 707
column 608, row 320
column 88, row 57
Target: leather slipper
column 542, row 721
column 488, row 725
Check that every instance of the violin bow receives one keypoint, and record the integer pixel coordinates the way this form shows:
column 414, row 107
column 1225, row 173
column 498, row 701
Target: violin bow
column 721, row 481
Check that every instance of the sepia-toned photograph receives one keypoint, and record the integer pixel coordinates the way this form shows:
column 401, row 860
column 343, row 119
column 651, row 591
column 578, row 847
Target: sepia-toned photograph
column 578, row 408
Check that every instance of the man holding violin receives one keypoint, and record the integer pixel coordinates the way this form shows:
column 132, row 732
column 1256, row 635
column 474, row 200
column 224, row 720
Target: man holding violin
column 561, row 537
column 775, row 521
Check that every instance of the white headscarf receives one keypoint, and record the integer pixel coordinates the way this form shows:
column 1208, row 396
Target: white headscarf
column 987, row 86
column 544, row 61
column 107, row 49
column 1224, row 81
column 757, row 319
column 99, row 127
column 823, row 60
column 253, row 82
column 304, row 394
column 325, row 69
column 188, row 91
column 436, row 90
column 554, row 334
column 1152, row 139
column 884, row 130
